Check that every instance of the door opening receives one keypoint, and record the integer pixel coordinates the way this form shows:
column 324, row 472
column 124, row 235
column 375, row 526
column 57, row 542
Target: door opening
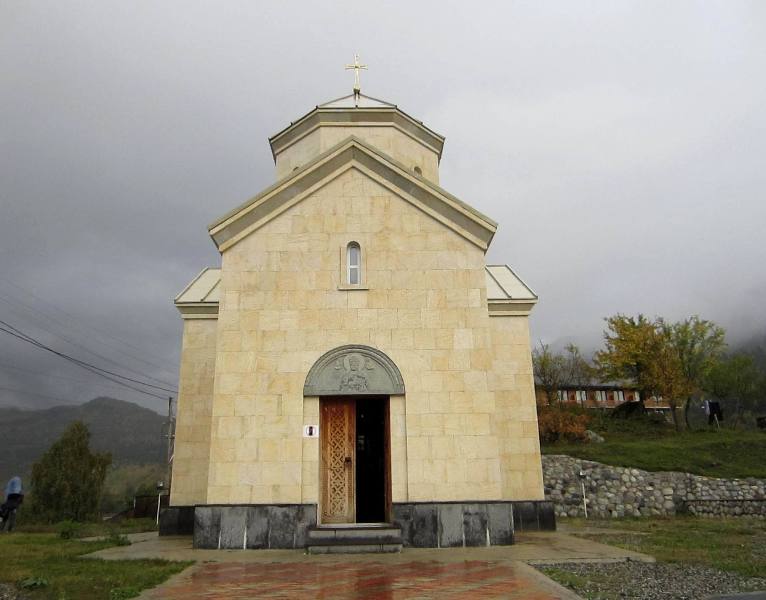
column 371, row 459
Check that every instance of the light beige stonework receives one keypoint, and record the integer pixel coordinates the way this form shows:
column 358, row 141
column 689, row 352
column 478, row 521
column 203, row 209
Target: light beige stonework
column 393, row 142
column 191, row 457
column 466, row 428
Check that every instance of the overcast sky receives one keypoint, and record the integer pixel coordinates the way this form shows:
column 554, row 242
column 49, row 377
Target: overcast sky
column 621, row 146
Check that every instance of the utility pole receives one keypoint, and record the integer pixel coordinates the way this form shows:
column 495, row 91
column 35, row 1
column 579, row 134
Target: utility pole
column 170, row 435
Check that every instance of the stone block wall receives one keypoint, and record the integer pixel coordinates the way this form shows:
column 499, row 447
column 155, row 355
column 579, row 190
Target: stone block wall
column 195, row 401
column 466, row 429
column 625, row 492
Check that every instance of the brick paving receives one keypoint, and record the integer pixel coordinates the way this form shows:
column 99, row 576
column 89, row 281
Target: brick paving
column 370, row 580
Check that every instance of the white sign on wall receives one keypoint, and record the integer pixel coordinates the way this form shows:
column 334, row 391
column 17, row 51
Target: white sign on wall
column 311, row 431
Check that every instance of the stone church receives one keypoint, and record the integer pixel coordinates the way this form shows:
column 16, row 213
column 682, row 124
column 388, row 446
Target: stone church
column 354, row 370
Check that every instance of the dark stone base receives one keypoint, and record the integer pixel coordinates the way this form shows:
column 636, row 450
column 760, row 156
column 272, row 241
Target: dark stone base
column 535, row 515
column 423, row 524
column 177, row 520
column 253, row 526
column 451, row 524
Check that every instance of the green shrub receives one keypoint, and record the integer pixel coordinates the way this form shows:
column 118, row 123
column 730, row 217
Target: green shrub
column 33, row 583
column 117, row 538
column 69, row 529
column 562, row 424
column 123, row 593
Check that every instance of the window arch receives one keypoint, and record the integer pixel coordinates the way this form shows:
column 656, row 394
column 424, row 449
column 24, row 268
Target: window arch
column 418, row 171
column 353, row 264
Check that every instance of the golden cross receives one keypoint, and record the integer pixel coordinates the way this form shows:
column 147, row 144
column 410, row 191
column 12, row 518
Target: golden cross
column 357, row 86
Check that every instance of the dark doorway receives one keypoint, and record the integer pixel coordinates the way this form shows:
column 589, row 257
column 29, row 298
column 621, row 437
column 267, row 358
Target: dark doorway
column 371, row 459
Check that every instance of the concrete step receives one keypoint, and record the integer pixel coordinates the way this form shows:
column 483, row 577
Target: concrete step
column 327, row 540
column 355, row 549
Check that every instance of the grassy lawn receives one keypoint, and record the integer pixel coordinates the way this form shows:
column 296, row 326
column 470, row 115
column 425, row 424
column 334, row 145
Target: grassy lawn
column 57, row 564
column 722, row 453
column 735, row 545
column 83, row 530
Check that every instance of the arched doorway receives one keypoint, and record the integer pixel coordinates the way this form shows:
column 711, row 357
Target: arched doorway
column 354, row 384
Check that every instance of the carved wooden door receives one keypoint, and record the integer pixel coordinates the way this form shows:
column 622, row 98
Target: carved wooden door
column 338, row 440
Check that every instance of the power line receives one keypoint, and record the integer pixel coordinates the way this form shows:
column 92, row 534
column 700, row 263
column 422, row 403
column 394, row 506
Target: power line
column 72, row 343
column 17, row 333
column 4, row 365
column 30, row 339
column 93, row 328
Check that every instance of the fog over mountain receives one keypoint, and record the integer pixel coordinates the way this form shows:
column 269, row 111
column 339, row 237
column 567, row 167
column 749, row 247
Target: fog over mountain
column 620, row 146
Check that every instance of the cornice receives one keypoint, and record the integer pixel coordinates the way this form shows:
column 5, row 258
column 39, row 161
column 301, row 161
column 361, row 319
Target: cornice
column 359, row 117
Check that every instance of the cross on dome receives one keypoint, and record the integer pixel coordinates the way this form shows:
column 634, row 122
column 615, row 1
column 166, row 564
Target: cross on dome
column 357, row 67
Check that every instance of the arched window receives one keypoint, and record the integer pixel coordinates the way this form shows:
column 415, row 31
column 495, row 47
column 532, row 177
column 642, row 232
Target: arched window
column 418, row 171
column 353, row 264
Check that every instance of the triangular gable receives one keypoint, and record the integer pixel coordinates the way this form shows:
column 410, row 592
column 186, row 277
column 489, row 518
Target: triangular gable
column 353, row 153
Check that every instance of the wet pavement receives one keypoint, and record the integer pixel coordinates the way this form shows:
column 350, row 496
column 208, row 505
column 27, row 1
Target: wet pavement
column 369, row 580
column 493, row 572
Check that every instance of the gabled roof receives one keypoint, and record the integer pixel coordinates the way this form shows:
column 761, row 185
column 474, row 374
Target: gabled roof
column 507, row 294
column 342, row 112
column 353, row 153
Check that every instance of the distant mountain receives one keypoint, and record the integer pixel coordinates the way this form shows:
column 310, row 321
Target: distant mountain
column 130, row 432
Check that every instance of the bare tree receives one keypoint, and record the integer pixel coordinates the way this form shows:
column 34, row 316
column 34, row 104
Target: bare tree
column 550, row 371
column 579, row 371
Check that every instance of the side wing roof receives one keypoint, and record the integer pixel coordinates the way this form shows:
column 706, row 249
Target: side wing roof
column 507, row 294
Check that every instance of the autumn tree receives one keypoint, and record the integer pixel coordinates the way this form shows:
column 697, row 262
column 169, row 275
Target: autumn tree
column 641, row 350
column 68, row 480
column 628, row 352
column 665, row 372
column 736, row 379
column 550, row 371
column 699, row 344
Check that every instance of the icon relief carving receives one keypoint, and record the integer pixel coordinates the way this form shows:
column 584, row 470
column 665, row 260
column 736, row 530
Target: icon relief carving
column 352, row 370
column 355, row 378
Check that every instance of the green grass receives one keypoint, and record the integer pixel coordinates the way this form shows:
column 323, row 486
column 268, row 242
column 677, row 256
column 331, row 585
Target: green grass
column 93, row 529
column 581, row 583
column 735, row 544
column 57, row 564
column 722, row 453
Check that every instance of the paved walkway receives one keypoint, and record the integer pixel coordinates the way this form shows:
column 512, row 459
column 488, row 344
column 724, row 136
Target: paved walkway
column 495, row 572
column 369, row 580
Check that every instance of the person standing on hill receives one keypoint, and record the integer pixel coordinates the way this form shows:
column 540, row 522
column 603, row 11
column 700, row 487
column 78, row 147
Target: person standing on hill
column 14, row 496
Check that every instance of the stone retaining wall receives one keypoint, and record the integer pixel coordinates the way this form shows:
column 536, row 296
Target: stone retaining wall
column 624, row 492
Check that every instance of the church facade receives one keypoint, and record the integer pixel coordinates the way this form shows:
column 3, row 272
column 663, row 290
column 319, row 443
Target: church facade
column 354, row 360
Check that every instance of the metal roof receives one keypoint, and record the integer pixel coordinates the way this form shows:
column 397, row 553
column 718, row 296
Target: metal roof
column 204, row 288
column 504, row 284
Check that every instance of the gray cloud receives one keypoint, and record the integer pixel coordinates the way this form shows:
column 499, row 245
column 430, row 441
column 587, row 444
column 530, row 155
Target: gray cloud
column 620, row 145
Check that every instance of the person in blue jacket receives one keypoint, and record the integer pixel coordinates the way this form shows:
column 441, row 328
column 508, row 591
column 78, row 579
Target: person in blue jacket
column 14, row 496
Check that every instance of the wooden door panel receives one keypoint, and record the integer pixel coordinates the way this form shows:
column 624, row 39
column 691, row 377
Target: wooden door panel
column 337, row 433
